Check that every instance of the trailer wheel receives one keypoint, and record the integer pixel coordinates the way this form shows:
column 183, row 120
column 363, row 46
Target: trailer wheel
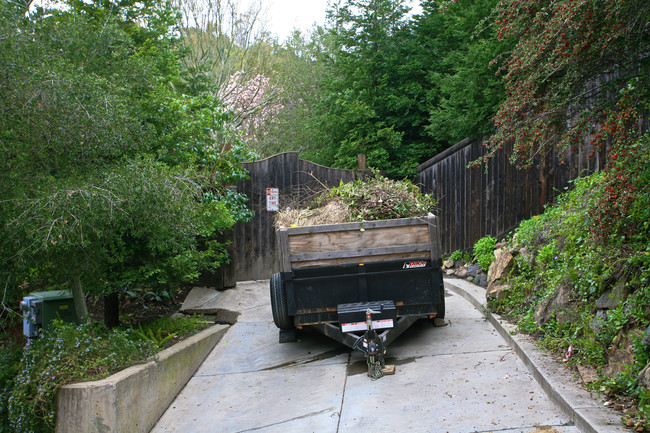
column 279, row 303
column 441, row 308
column 439, row 320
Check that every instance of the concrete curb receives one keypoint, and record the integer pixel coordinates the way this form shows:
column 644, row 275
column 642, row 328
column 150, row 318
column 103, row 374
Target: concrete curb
column 558, row 383
column 134, row 399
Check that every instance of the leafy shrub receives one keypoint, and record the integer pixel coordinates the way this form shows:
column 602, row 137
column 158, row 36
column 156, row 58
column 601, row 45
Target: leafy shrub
column 9, row 366
column 548, row 254
column 484, row 251
column 456, row 255
column 621, row 210
column 529, row 230
column 568, row 247
column 30, row 377
column 166, row 329
column 65, row 354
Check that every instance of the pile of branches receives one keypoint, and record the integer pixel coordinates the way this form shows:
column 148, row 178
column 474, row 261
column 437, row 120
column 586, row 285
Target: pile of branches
column 371, row 198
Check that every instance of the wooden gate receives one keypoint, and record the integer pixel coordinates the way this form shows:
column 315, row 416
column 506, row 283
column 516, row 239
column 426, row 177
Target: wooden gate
column 254, row 255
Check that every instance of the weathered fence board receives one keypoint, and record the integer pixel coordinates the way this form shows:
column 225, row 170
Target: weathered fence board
column 255, row 246
column 493, row 200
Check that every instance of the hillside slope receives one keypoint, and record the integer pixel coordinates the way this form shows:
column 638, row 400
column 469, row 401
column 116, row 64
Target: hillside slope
column 577, row 278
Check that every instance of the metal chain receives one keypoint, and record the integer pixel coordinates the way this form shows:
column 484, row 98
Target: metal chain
column 374, row 369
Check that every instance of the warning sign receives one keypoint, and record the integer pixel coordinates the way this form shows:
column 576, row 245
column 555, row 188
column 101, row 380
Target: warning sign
column 272, row 199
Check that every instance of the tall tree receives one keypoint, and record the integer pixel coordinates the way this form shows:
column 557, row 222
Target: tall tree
column 466, row 90
column 358, row 98
column 228, row 53
column 112, row 177
column 298, row 77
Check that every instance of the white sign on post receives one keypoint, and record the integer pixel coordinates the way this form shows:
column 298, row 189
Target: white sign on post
column 272, row 199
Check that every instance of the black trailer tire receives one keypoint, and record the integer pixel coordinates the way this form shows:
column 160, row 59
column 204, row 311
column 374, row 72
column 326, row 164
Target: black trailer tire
column 279, row 304
column 440, row 308
column 439, row 320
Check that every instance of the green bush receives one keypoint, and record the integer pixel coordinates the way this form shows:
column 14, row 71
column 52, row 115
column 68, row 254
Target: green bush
column 166, row 329
column 30, row 377
column 456, row 255
column 65, row 354
column 484, row 251
column 9, row 366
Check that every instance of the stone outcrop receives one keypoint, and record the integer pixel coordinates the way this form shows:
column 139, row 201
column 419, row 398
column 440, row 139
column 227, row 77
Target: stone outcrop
column 558, row 306
column 504, row 261
column 622, row 353
column 644, row 376
column 496, row 291
column 611, row 298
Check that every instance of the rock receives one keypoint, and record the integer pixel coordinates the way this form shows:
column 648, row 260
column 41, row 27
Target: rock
column 439, row 322
column 462, row 273
column 496, row 292
column 644, row 376
column 611, row 298
column 459, row 264
column 500, row 245
column 622, row 353
column 503, row 263
column 482, row 280
column 449, row 272
column 470, row 279
column 447, row 264
column 587, row 374
column 177, row 316
column 597, row 323
column 557, row 306
column 474, row 270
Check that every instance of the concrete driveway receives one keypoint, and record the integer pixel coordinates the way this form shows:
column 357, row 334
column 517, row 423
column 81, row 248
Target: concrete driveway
column 459, row 378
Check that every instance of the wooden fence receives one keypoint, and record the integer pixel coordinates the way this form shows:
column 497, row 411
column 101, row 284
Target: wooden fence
column 475, row 202
column 472, row 202
column 254, row 255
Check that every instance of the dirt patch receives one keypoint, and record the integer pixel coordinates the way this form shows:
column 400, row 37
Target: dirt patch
column 138, row 310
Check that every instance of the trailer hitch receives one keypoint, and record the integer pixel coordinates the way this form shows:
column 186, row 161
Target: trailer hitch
column 372, row 346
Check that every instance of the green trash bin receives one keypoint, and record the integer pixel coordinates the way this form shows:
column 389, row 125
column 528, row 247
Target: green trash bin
column 41, row 308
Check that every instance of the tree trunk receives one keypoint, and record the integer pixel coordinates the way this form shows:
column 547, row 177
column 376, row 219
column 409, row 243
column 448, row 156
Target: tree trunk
column 78, row 297
column 112, row 310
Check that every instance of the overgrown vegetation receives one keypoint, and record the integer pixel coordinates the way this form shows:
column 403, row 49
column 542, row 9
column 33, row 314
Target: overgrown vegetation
column 113, row 178
column 591, row 248
column 366, row 199
column 484, row 251
column 114, row 183
column 67, row 353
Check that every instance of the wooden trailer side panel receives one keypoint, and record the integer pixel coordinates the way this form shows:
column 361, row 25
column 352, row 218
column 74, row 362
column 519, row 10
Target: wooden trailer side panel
column 349, row 243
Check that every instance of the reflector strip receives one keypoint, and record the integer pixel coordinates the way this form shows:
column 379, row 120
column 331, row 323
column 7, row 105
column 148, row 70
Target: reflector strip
column 361, row 326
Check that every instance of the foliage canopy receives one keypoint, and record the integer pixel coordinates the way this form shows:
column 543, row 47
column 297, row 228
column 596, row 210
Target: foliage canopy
column 112, row 177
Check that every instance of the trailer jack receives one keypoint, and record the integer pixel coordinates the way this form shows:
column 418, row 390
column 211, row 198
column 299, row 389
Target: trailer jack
column 372, row 346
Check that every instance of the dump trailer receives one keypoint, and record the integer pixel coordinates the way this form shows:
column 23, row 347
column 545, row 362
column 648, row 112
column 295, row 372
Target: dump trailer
column 360, row 283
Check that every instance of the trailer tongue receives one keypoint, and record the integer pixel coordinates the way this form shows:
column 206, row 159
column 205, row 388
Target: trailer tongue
column 361, row 284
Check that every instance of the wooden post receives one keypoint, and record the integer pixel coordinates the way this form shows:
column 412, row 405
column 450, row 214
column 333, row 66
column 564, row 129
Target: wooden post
column 361, row 162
